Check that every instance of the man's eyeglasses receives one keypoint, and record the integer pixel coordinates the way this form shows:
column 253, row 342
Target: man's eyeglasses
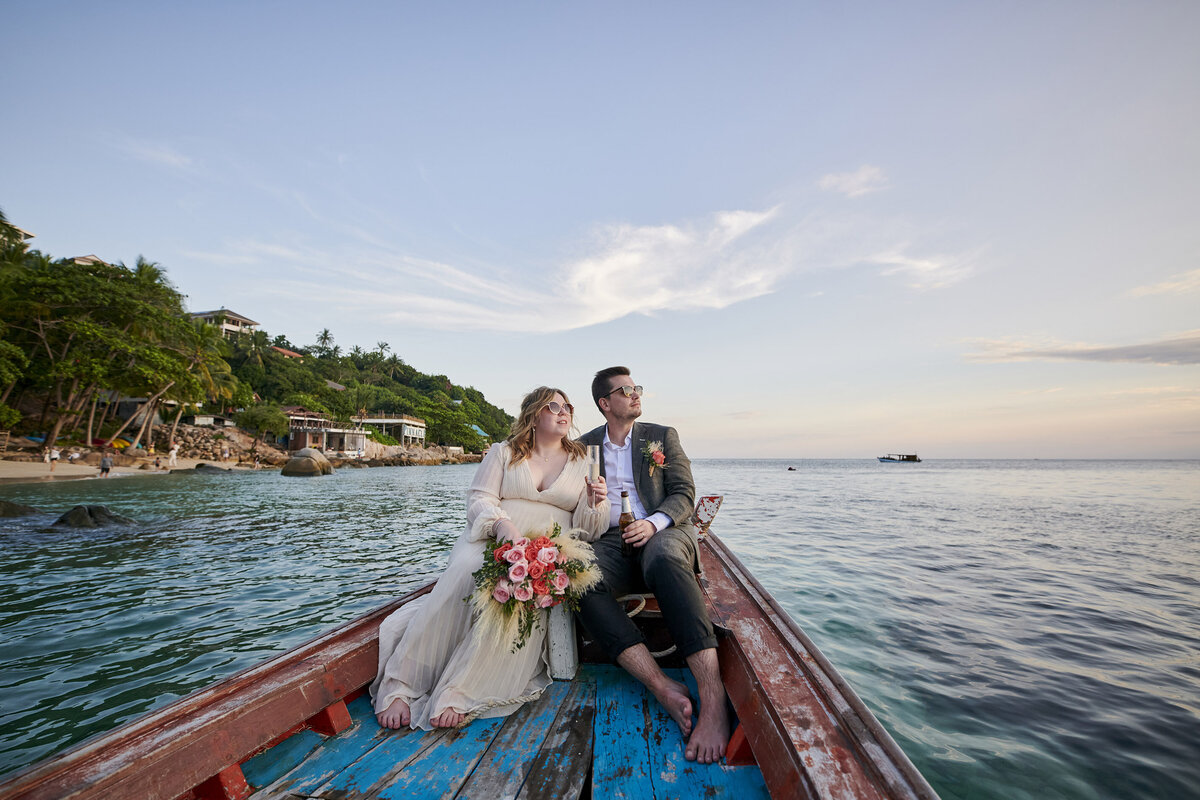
column 628, row 391
column 556, row 409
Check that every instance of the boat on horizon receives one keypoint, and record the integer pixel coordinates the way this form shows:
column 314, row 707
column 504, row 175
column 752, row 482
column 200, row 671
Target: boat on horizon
column 892, row 458
column 301, row 725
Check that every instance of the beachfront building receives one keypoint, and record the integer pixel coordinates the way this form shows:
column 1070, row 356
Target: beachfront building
column 231, row 324
column 311, row 429
column 405, row 429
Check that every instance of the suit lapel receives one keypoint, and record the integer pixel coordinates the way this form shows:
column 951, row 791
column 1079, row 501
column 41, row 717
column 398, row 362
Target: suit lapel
column 637, row 440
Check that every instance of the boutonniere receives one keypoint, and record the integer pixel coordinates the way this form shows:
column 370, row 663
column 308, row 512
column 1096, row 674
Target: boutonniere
column 654, row 454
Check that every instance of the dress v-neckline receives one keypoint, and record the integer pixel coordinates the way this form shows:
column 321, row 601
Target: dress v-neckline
column 550, row 485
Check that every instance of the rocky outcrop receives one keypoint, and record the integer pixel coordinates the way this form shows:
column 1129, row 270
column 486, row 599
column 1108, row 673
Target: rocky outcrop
column 204, row 442
column 90, row 517
column 308, row 462
column 8, row 509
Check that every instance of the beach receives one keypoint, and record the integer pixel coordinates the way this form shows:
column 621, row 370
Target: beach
column 39, row 471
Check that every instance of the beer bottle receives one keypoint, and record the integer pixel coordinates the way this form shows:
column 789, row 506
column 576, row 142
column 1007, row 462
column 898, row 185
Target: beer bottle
column 625, row 520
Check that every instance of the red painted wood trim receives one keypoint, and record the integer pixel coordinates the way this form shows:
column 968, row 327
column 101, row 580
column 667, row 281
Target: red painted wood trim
column 738, row 752
column 164, row 754
column 228, row 784
column 331, row 720
column 794, row 699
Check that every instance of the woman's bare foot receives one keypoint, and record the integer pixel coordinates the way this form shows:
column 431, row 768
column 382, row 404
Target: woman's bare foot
column 448, row 719
column 674, row 697
column 396, row 715
column 707, row 745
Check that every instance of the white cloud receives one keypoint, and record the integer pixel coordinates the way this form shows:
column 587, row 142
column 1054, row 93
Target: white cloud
column 1183, row 349
column 1181, row 283
column 621, row 269
column 864, row 180
column 926, row 272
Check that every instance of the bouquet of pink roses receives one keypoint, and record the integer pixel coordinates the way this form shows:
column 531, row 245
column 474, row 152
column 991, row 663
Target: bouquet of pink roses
column 521, row 578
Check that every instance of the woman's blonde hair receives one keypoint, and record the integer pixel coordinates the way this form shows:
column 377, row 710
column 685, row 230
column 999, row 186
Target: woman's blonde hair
column 521, row 438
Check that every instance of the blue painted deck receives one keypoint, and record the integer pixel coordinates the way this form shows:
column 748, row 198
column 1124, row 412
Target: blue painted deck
column 601, row 735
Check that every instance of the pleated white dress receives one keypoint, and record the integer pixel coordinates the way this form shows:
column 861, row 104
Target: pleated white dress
column 428, row 653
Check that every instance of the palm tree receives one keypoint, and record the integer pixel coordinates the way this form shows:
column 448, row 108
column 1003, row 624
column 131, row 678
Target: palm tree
column 324, row 342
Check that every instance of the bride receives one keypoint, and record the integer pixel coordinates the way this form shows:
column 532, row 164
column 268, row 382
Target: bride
column 434, row 668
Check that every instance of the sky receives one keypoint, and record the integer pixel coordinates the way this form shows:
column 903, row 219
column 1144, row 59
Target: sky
column 818, row 230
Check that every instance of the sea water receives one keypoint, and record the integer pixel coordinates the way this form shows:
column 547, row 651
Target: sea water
column 1024, row 629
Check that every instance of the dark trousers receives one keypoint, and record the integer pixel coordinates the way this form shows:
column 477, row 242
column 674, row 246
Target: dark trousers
column 663, row 566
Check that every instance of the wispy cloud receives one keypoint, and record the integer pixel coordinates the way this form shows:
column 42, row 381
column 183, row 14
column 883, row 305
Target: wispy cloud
column 864, row 180
column 156, row 153
column 1183, row 349
column 619, row 269
column 1181, row 283
column 926, row 272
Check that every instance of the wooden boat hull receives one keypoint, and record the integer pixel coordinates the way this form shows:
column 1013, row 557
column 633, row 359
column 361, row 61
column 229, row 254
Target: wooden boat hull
column 806, row 729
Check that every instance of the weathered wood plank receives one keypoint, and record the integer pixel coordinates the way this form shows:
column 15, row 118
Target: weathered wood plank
column 360, row 765
column 565, row 760
column 502, row 769
column 620, row 751
column 336, row 754
column 442, row 768
column 675, row 777
column 268, row 767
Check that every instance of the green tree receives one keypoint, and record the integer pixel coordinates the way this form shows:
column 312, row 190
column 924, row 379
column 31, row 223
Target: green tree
column 262, row 419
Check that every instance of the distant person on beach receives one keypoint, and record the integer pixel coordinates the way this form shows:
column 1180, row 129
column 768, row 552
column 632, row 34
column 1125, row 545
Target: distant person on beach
column 54, row 456
column 106, row 464
column 647, row 461
column 157, row 463
column 436, row 669
column 225, row 453
column 171, row 455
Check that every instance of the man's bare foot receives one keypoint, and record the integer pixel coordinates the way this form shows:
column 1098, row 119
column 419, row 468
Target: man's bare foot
column 674, row 697
column 448, row 719
column 395, row 715
column 707, row 744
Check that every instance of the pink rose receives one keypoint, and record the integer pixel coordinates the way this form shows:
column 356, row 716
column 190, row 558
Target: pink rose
column 658, row 457
column 524, row 592
column 520, row 543
column 502, row 592
column 517, row 572
column 545, row 601
column 560, row 581
column 548, row 555
column 515, row 556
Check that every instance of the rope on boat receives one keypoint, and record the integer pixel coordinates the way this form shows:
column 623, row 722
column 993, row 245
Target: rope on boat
column 641, row 600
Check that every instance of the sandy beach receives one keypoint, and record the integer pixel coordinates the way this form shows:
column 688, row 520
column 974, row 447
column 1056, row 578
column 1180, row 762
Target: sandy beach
column 37, row 471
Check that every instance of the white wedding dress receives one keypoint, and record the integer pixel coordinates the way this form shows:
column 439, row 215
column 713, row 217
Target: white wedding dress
column 428, row 655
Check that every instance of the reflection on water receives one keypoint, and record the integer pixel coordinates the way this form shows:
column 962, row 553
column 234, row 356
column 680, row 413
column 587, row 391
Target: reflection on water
column 1024, row 629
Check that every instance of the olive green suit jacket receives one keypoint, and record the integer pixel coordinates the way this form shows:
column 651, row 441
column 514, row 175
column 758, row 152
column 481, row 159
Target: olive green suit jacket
column 670, row 489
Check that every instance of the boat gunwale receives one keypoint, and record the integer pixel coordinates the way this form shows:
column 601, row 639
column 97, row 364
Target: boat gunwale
column 101, row 762
column 833, row 687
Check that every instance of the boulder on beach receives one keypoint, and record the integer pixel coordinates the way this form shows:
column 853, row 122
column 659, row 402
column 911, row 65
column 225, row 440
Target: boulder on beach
column 202, row 467
column 307, row 463
column 90, row 517
column 8, row 509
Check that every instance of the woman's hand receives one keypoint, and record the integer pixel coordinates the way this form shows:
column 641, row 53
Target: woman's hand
column 597, row 491
column 505, row 530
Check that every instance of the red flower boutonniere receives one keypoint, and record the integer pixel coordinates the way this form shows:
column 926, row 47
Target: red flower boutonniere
column 654, row 454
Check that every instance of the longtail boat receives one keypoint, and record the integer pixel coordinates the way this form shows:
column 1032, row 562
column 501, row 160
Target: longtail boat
column 300, row 726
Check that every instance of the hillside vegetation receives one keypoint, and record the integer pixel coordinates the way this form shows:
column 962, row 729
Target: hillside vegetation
column 77, row 333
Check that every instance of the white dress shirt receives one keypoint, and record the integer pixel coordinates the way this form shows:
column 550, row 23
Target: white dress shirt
column 618, row 474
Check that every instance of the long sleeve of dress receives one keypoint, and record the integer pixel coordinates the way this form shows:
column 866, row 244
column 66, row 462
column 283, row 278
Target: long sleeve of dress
column 483, row 498
column 592, row 520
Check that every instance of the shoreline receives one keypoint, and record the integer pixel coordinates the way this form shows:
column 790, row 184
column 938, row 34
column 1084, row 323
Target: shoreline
column 14, row 472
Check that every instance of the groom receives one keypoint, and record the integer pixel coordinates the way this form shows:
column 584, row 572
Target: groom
column 664, row 560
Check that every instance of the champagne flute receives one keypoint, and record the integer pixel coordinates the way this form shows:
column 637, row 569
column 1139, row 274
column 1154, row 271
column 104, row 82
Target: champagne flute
column 593, row 462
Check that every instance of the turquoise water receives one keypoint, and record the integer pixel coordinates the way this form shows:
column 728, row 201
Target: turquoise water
column 1024, row 629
